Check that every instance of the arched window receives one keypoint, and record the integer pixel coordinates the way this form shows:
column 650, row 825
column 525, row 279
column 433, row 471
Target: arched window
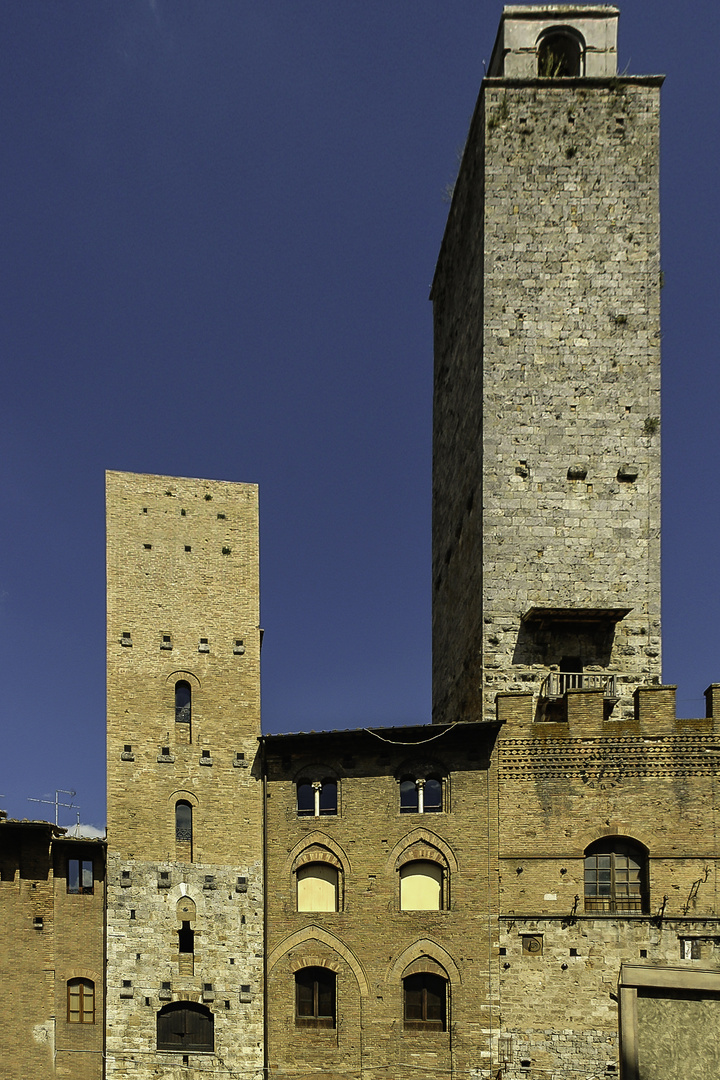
column 315, row 997
column 421, row 886
column 421, row 795
column 183, row 1026
column 81, row 1001
column 425, row 1002
column 183, row 711
column 317, row 798
column 616, row 877
column 183, row 830
column 560, row 54
column 317, row 887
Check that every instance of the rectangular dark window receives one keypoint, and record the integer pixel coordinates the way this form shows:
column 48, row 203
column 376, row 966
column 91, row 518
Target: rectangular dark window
column 315, row 998
column 425, row 1002
column 80, row 876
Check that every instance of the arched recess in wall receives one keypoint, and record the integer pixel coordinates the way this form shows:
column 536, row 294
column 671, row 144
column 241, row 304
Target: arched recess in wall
column 181, row 690
column 424, row 949
column 317, row 791
column 560, row 53
column 316, row 933
column 417, row 838
column 318, row 877
column 182, row 811
column 317, row 839
column 423, row 786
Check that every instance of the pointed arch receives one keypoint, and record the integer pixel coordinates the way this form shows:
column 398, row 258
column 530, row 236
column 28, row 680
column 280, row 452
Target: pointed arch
column 316, row 933
column 319, row 839
column 421, row 837
column 423, row 947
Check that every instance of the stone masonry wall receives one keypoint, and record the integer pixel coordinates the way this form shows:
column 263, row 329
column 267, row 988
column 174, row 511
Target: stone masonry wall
column 551, row 388
column 183, row 606
column 652, row 780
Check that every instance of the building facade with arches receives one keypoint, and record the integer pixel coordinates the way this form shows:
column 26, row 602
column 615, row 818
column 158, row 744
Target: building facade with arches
column 526, row 888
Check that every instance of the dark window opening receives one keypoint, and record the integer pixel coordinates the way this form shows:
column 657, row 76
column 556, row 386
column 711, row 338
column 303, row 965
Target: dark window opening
column 318, row 798
column 305, row 799
column 425, row 1002
column 432, row 793
column 408, row 797
column 81, row 1001
column 186, row 939
column 80, row 876
column 185, row 1026
column 328, row 798
column 315, row 998
column 184, row 825
column 559, row 56
column 615, row 878
column 183, row 702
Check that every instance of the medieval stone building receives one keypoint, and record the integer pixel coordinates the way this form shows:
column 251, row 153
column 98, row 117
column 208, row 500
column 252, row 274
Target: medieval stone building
column 526, row 888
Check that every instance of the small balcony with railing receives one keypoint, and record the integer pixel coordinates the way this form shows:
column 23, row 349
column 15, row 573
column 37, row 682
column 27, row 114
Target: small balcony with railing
column 557, row 683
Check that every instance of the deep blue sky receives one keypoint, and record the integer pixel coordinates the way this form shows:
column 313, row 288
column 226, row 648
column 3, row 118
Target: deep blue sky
column 219, row 221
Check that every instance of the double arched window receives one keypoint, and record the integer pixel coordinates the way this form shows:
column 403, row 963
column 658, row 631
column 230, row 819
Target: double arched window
column 81, row 1001
column 421, row 795
column 616, row 878
column 317, row 798
column 185, row 1025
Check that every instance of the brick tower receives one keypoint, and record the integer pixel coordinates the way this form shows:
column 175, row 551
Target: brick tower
column 546, row 489
column 185, row 891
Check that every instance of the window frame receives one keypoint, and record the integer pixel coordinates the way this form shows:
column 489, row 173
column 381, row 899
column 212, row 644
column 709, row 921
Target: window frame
column 82, row 863
column 423, row 1023
column 620, row 898
column 415, row 802
column 316, row 1019
column 313, row 799
column 85, row 988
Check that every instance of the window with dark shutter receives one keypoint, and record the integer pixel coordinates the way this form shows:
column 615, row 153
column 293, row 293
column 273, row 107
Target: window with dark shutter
column 183, row 1026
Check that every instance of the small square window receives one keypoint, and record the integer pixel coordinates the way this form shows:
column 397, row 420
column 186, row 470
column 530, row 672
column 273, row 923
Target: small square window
column 148, row 547
column 188, row 548
column 245, row 988
column 38, row 922
column 206, row 753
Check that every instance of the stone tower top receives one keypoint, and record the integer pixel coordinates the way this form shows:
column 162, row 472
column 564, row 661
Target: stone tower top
column 571, row 40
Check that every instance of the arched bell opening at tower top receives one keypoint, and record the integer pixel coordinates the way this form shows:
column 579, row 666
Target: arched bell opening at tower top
column 560, row 53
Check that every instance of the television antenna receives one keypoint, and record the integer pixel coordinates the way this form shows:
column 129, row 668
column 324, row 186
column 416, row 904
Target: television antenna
column 57, row 803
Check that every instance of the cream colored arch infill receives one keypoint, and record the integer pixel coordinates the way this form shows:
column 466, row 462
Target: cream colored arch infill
column 316, row 933
column 316, row 839
column 430, row 949
column 417, row 839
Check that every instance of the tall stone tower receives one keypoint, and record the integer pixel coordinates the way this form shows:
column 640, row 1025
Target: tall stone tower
column 185, row 889
column 546, row 488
